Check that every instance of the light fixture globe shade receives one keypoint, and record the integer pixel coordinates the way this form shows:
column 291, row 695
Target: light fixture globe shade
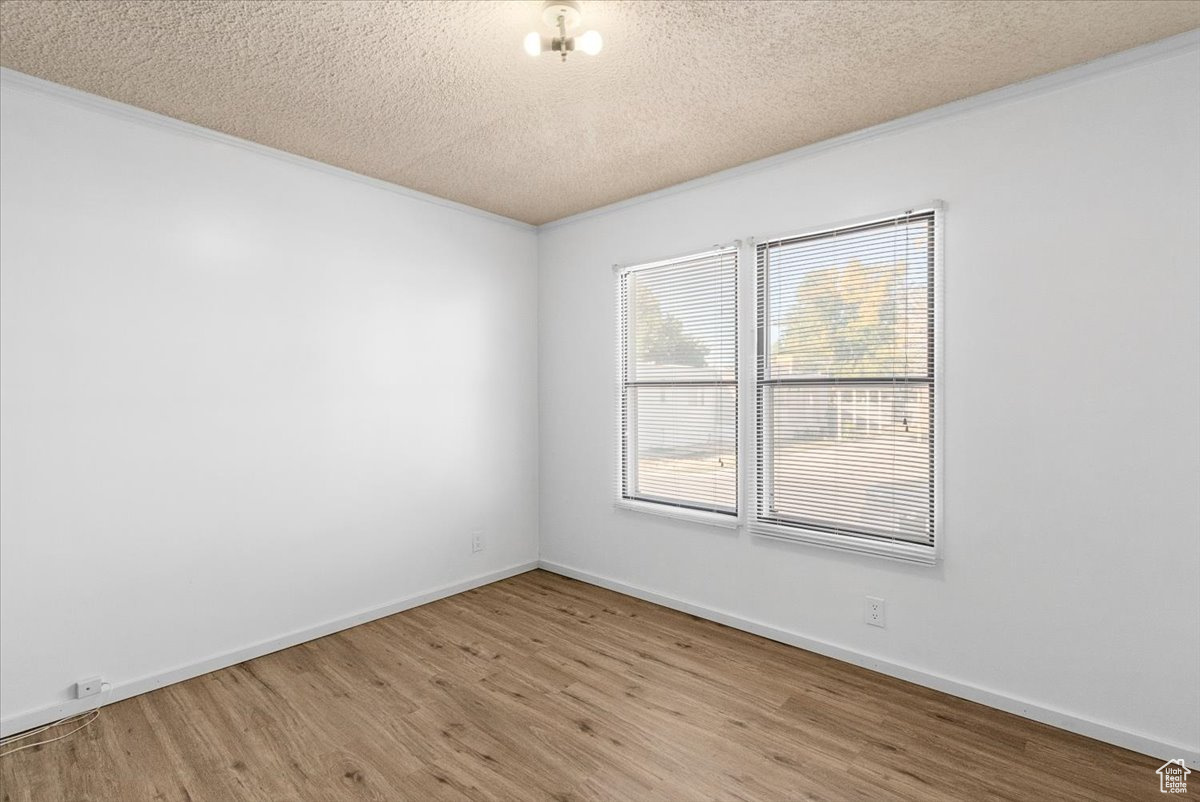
column 533, row 44
column 590, row 42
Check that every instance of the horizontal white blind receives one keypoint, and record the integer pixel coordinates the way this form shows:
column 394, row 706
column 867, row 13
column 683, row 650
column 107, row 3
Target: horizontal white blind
column 677, row 404
column 845, row 381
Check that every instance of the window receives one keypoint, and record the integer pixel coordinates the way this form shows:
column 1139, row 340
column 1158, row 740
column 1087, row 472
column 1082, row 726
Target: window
column 846, row 387
column 677, row 355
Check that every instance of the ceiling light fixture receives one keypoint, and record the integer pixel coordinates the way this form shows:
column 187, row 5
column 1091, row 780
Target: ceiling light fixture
column 564, row 16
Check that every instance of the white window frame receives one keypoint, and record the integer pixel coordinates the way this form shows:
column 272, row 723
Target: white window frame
column 719, row 519
column 894, row 549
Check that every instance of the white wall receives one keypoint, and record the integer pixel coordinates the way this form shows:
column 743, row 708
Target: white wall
column 227, row 419
column 241, row 398
column 1071, row 546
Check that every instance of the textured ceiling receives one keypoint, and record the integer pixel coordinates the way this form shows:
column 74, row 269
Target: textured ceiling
column 440, row 97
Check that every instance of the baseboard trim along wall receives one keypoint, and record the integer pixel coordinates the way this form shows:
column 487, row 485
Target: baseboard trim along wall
column 1136, row 741
column 124, row 690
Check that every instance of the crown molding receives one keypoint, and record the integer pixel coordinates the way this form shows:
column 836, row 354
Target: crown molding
column 1138, row 56
column 113, row 108
column 1039, row 85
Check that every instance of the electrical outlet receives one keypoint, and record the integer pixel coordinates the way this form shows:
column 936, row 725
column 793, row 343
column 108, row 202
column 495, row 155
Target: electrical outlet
column 477, row 541
column 874, row 613
column 88, row 687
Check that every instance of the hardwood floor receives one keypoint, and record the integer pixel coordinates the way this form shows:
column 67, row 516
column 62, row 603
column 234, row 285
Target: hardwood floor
column 541, row 687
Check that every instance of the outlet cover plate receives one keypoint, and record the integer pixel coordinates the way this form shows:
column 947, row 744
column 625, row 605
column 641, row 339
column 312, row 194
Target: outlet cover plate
column 874, row 612
column 88, row 687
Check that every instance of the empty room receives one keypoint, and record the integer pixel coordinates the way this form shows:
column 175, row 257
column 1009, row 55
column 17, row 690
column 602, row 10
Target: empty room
column 744, row 400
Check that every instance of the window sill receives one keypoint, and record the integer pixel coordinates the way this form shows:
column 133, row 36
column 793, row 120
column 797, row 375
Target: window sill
column 890, row 549
column 727, row 521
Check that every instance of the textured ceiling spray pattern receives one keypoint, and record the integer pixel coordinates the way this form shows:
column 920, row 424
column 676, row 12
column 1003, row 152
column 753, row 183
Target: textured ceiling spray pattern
column 440, row 97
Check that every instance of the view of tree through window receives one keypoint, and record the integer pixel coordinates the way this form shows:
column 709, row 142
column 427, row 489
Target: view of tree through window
column 660, row 337
column 845, row 385
column 848, row 321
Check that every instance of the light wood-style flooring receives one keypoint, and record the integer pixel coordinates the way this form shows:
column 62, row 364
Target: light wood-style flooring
column 543, row 688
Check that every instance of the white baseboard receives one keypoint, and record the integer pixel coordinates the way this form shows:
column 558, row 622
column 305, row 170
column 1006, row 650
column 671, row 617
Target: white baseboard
column 124, row 690
column 1136, row 741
